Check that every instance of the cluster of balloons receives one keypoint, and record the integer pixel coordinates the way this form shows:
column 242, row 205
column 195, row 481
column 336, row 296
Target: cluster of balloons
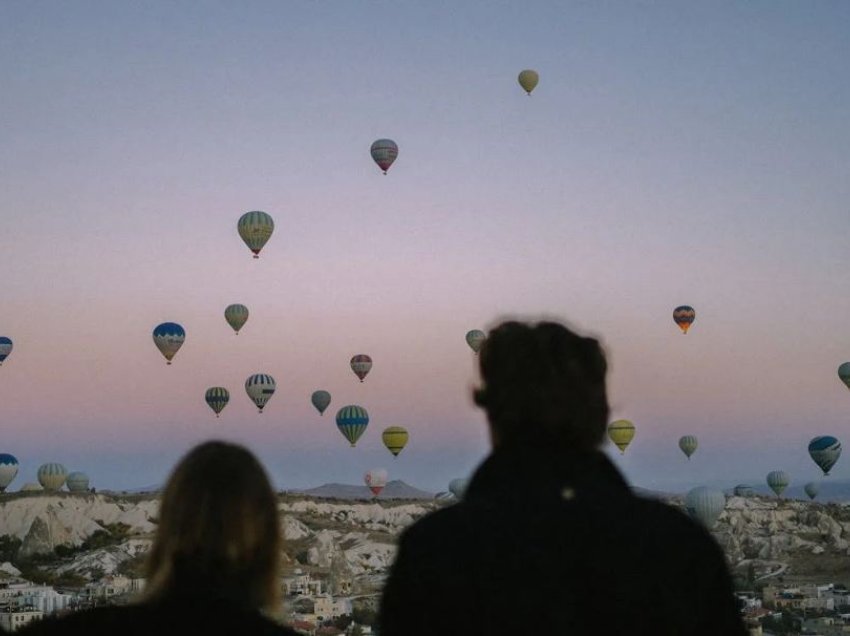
column 51, row 476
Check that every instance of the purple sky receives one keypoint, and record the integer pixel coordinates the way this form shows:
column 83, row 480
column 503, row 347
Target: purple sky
column 671, row 154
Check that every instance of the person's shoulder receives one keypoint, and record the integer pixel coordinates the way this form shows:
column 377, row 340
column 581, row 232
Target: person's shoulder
column 436, row 527
column 101, row 620
column 674, row 527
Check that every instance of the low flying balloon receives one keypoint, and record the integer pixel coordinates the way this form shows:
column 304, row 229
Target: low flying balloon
column 843, row 371
column 825, row 451
column 684, row 316
column 621, row 432
column 217, row 398
column 260, row 388
column 744, row 490
column 705, row 505
column 236, row 316
column 168, row 338
column 256, row 229
column 5, row 348
column 352, row 421
column 475, row 339
column 321, row 400
column 778, row 481
column 361, row 364
column 384, row 152
column 52, row 476
column 8, row 470
column 688, row 444
column 528, row 80
column 395, row 439
column 458, row 486
column 77, row 482
column 376, row 479
column 812, row 489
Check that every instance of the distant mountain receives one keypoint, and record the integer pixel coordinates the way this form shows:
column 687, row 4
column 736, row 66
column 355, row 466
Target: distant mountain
column 831, row 490
column 395, row 489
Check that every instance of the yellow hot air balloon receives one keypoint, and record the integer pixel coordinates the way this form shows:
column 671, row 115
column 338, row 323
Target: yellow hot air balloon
column 621, row 432
column 395, row 438
column 528, row 80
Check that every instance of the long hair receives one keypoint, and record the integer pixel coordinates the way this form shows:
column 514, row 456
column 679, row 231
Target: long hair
column 219, row 534
column 543, row 385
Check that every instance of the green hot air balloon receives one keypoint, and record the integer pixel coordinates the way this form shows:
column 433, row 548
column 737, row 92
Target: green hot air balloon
column 688, row 444
column 812, row 489
column 236, row 316
column 705, row 505
column 321, row 400
column 77, row 482
column 352, row 421
column 825, row 451
column 52, row 476
column 217, row 398
column 528, row 80
column 475, row 338
column 256, row 229
column 778, row 481
column 844, row 374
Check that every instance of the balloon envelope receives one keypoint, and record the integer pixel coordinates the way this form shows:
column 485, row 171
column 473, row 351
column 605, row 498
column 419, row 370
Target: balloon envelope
column 458, row 486
column 376, row 479
column 52, row 476
column 475, row 339
column 395, row 439
column 321, row 400
column 384, row 153
column 825, row 451
column 812, row 489
column 260, row 388
column 621, row 432
column 77, row 482
column 352, row 421
column 5, row 348
column 684, row 316
column 688, row 444
column 8, row 470
column 743, row 490
column 217, row 398
column 256, row 229
column 705, row 505
column 361, row 364
column 844, row 373
column 168, row 338
column 528, row 80
column 236, row 316
column 778, row 481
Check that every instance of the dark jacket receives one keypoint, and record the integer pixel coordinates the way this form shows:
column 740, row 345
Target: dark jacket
column 546, row 543
column 178, row 616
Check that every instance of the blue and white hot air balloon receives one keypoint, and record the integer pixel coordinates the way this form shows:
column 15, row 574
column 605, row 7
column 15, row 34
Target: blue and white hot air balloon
column 168, row 338
column 825, row 451
column 260, row 388
column 8, row 470
column 705, row 505
column 77, row 482
column 52, row 476
column 352, row 421
column 5, row 348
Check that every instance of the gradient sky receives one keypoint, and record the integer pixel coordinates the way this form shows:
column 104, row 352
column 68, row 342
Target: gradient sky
column 672, row 153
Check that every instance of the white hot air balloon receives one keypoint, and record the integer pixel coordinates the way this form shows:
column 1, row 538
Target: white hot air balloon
column 376, row 479
column 260, row 387
column 705, row 505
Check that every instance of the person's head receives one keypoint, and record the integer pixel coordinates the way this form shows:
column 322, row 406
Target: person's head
column 544, row 385
column 218, row 530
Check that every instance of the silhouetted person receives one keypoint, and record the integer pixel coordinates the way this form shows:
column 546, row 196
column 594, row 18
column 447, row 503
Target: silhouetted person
column 213, row 567
column 549, row 538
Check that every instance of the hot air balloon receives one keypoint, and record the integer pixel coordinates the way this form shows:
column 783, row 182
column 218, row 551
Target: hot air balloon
column 351, row 421
column 528, row 80
column 395, row 439
column 384, row 152
column 168, row 338
column 458, row 486
column 321, row 400
column 260, row 388
column 5, row 348
column 688, row 444
column 705, row 505
column 52, row 476
column 621, row 433
column 256, row 229
column 684, row 316
column 217, row 398
column 361, row 364
column 475, row 339
column 77, row 482
column 376, row 479
column 8, row 470
column 843, row 370
column 812, row 489
column 743, row 490
column 236, row 316
column 825, row 451
column 778, row 481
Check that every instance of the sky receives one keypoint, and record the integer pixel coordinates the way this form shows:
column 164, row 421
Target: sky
column 672, row 153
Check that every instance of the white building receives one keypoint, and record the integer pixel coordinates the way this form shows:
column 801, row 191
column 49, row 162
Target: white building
column 301, row 584
column 326, row 607
column 12, row 621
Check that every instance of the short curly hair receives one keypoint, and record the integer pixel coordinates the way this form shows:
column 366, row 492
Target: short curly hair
column 543, row 384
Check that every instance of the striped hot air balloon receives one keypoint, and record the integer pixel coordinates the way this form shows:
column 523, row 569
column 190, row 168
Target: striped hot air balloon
column 8, row 470
column 260, row 387
column 168, row 338
column 688, row 444
column 395, row 439
column 77, row 482
column 217, row 398
column 778, row 481
column 256, row 229
column 384, row 153
column 825, row 451
column 475, row 339
column 5, row 348
column 236, row 316
column 352, row 421
column 321, row 400
column 361, row 364
column 621, row 432
column 684, row 316
column 705, row 505
column 458, row 486
column 376, row 479
column 52, row 476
